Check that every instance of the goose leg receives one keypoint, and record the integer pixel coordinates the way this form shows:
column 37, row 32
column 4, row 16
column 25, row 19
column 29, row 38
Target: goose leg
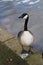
column 24, row 53
column 30, row 50
column 23, row 50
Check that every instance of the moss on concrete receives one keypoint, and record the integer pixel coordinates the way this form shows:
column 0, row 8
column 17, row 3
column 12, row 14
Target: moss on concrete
column 35, row 59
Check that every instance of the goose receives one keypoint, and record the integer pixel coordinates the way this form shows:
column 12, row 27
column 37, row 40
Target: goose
column 25, row 36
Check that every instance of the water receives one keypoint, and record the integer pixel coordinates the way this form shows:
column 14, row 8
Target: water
column 11, row 9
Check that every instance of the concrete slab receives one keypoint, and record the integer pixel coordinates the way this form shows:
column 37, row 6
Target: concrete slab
column 4, row 35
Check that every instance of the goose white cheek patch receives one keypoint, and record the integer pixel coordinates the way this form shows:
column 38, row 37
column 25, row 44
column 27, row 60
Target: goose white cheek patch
column 25, row 16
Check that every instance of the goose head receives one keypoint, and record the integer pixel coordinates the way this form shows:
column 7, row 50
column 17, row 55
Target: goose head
column 24, row 16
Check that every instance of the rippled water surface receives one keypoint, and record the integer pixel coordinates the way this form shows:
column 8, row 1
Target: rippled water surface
column 9, row 12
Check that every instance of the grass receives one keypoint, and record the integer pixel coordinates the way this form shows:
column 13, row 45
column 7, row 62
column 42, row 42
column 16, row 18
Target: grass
column 8, row 57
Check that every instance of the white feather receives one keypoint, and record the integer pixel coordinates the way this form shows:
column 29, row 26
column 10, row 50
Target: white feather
column 27, row 38
column 25, row 17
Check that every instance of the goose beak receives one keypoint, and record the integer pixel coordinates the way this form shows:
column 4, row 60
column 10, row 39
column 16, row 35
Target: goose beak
column 20, row 17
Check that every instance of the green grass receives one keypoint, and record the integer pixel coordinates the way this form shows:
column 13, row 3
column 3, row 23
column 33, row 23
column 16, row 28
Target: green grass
column 8, row 57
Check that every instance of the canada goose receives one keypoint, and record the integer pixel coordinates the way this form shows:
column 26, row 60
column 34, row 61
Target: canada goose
column 25, row 36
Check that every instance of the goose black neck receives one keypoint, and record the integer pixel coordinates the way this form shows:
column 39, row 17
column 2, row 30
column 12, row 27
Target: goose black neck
column 25, row 25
